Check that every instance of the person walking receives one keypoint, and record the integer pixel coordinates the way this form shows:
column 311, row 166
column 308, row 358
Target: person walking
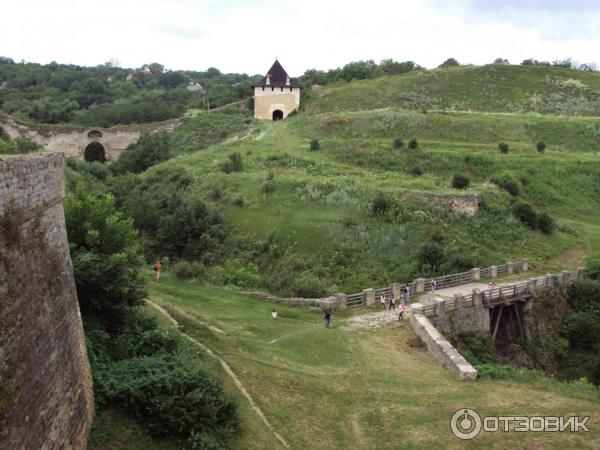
column 433, row 285
column 382, row 301
column 327, row 317
column 407, row 292
column 401, row 310
column 392, row 303
column 274, row 314
column 156, row 268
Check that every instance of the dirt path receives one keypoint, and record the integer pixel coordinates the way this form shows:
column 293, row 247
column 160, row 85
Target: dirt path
column 373, row 320
column 227, row 369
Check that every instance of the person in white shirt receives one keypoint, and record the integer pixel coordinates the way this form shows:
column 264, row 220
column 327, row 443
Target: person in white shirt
column 274, row 314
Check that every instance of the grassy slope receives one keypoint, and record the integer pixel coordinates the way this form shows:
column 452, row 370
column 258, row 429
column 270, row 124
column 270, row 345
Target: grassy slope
column 322, row 197
column 484, row 88
column 346, row 389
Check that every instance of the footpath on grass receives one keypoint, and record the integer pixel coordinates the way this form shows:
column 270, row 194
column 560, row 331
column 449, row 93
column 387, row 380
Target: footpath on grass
column 227, row 369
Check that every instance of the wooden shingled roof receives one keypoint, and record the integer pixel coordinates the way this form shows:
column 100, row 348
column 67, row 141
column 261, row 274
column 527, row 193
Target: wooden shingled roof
column 278, row 77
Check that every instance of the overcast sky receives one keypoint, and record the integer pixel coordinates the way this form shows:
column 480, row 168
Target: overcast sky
column 247, row 35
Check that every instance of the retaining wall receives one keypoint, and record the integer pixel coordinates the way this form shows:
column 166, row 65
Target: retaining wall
column 439, row 346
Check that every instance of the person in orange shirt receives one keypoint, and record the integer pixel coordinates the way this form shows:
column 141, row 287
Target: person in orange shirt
column 156, row 269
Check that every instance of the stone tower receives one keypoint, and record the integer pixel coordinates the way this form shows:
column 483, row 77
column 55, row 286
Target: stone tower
column 276, row 95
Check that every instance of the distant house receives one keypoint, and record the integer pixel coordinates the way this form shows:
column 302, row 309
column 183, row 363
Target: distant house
column 276, row 95
column 195, row 87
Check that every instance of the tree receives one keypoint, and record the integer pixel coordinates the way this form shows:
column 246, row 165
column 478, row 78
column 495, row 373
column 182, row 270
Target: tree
column 450, row 62
column 503, row 147
column 398, row 143
column 106, row 258
column 501, row 61
column 148, row 151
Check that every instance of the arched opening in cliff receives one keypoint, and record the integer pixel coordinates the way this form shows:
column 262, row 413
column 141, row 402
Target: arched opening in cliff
column 277, row 114
column 95, row 134
column 94, row 152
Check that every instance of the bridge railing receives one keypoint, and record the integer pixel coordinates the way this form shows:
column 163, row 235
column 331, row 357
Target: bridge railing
column 422, row 285
column 501, row 294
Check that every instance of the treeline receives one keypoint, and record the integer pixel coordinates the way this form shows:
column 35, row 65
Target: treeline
column 106, row 95
column 358, row 70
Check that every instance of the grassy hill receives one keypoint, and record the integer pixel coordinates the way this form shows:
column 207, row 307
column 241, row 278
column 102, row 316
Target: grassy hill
column 360, row 212
column 347, row 387
column 321, row 203
column 497, row 88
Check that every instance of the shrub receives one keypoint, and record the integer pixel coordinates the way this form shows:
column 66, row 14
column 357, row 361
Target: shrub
column 416, row 171
column 508, row 184
column 151, row 149
column 584, row 295
column 593, row 267
column 398, row 143
column 431, row 256
column 545, row 223
column 269, row 185
column 413, row 144
column 380, row 205
column 450, row 62
column 526, row 214
column 476, row 347
column 540, row 146
column 460, row 181
column 236, row 161
column 315, row 145
column 186, row 270
column 239, row 201
column 172, row 397
column 503, row 146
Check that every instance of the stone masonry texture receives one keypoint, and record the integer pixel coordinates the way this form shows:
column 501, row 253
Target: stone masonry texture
column 46, row 397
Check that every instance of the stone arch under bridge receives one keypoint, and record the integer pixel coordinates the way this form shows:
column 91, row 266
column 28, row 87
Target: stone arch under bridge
column 73, row 140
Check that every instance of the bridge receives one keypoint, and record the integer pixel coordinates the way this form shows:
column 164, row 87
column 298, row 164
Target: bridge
column 500, row 311
column 91, row 144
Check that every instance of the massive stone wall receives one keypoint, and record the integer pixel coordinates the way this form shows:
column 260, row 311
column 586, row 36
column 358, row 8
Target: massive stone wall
column 72, row 140
column 46, row 398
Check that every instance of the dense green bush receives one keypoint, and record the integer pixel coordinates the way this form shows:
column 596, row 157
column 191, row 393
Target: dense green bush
column 380, row 205
column 540, row 147
column 526, row 214
column 186, row 270
column 413, row 144
column 504, row 148
column 135, row 365
column 592, row 266
column 96, row 169
column 233, row 163
column 151, row 149
column 269, row 186
column 171, row 220
column 398, row 142
column 106, row 258
column 545, row 223
column 506, row 183
column 171, row 396
column 314, row 145
column 476, row 347
column 460, row 181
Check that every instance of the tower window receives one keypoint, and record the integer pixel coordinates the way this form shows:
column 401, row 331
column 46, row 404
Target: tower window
column 263, row 88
